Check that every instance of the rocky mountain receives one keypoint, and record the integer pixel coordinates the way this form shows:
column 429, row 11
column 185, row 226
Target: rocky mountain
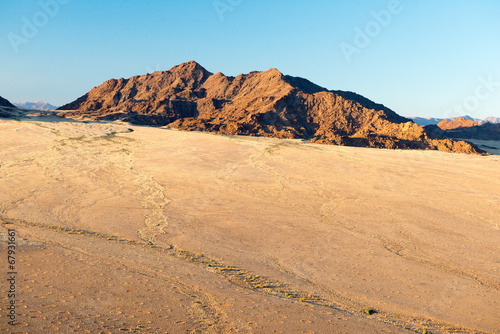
column 37, row 105
column 268, row 103
column 469, row 118
column 456, row 123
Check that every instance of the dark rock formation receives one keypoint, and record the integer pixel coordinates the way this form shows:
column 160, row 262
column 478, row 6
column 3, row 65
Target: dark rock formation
column 7, row 109
column 5, row 103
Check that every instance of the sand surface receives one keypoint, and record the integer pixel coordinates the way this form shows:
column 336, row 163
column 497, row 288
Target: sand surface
column 124, row 228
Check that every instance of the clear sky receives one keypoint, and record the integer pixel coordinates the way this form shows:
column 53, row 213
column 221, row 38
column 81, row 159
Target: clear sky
column 417, row 57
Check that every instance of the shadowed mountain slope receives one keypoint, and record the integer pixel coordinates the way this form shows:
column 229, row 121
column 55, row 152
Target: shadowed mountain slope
column 7, row 109
column 6, row 103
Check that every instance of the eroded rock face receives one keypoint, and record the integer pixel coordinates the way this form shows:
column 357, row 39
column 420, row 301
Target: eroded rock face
column 268, row 103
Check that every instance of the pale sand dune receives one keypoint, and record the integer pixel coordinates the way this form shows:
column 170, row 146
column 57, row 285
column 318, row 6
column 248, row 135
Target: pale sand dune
column 313, row 234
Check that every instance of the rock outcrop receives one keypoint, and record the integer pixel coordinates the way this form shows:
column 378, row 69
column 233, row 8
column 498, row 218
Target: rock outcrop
column 268, row 103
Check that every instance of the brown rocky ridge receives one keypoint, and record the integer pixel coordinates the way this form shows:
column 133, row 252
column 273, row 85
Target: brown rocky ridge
column 456, row 123
column 268, row 103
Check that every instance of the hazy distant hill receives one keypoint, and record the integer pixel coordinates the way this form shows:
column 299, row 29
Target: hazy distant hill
column 426, row 121
column 265, row 103
column 37, row 105
column 494, row 120
column 434, row 121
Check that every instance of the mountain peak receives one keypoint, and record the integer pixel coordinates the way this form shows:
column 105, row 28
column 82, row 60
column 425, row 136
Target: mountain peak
column 274, row 71
column 267, row 103
column 189, row 66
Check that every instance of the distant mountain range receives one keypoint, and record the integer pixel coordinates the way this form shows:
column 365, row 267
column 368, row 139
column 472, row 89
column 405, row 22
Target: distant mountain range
column 37, row 105
column 269, row 103
column 491, row 119
column 434, row 121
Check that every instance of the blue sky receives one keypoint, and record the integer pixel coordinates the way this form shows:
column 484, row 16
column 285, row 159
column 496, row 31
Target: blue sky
column 418, row 57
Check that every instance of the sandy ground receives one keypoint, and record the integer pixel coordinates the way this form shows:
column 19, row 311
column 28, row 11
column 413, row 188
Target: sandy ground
column 123, row 228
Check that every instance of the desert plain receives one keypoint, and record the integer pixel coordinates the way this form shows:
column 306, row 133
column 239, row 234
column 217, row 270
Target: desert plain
column 123, row 228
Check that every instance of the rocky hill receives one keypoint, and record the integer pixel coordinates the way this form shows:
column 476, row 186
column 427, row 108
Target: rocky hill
column 456, row 123
column 268, row 103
